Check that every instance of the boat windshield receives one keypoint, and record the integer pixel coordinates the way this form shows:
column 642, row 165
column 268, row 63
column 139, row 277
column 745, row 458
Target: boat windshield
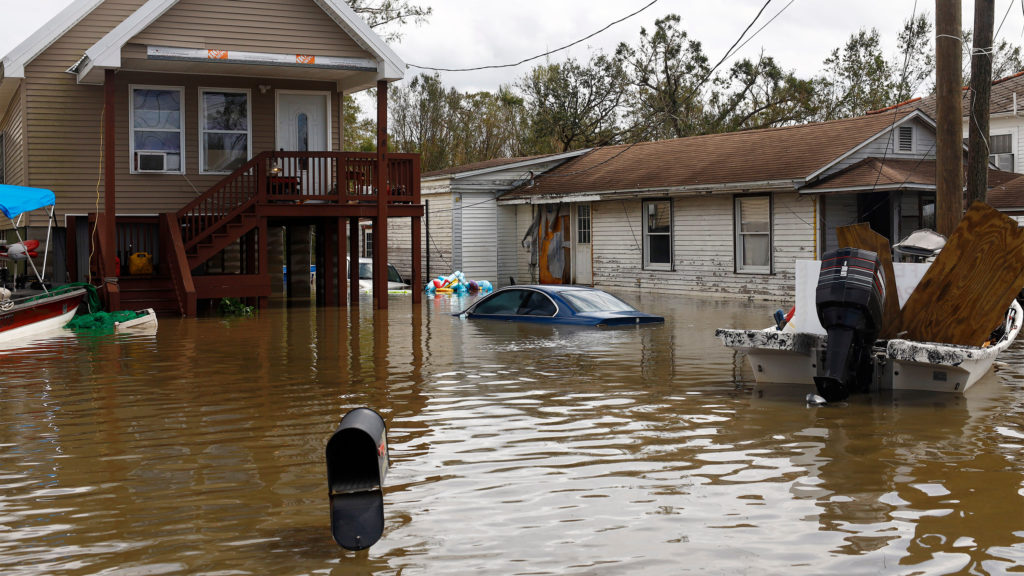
column 595, row 301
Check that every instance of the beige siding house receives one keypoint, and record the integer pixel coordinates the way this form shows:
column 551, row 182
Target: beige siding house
column 216, row 112
column 728, row 214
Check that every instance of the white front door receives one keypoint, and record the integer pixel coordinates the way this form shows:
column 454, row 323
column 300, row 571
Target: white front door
column 302, row 126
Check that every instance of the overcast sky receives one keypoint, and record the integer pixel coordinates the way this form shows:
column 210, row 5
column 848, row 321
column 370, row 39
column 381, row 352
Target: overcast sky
column 471, row 33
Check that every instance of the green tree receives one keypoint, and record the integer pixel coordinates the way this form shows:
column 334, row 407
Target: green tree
column 857, row 78
column 572, row 105
column 667, row 70
column 759, row 95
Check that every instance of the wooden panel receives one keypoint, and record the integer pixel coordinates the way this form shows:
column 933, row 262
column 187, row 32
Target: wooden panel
column 965, row 293
column 277, row 26
column 863, row 237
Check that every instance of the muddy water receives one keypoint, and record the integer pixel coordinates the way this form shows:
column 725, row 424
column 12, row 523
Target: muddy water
column 515, row 450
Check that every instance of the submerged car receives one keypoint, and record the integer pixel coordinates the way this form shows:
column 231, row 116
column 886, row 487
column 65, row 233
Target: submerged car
column 557, row 304
column 395, row 281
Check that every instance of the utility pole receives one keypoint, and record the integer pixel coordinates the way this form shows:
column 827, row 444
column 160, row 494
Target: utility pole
column 981, row 91
column 949, row 170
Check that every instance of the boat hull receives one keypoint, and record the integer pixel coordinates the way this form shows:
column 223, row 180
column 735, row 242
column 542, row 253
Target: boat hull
column 35, row 317
column 778, row 357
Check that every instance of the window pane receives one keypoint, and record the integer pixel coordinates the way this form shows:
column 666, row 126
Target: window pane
column 658, row 217
column 303, row 133
column 658, row 249
column 537, row 304
column 755, row 215
column 157, row 140
column 225, row 152
column 501, row 303
column 755, row 250
column 226, row 111
column 1001, row 144
column 160, row 109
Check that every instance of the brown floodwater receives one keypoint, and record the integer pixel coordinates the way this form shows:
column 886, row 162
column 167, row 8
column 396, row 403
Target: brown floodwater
column 515, row 450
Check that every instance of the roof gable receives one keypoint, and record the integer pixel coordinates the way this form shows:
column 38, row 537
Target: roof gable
column 15, row 61
column 106, row 53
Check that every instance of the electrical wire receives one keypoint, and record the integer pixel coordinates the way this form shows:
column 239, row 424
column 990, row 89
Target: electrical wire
column 548, row 53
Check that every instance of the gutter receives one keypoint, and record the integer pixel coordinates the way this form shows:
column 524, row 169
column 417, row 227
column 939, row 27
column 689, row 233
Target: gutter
column 694, row 189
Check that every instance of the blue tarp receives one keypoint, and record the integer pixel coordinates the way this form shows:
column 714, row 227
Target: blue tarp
column 17, row 199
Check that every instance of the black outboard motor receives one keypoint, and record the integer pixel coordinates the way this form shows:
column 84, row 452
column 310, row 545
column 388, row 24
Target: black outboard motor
column 849, row 298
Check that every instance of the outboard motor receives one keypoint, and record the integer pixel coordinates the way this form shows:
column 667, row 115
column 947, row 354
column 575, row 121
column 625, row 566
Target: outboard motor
column 849, row 298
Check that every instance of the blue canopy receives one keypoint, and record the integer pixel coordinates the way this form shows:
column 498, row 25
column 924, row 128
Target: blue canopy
column 17, row 199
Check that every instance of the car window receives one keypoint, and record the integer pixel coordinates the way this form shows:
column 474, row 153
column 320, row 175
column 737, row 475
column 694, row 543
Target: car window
column 594, row 301
column 504, row 302
column 537, row 304
column 365, row 271
column 393, row 275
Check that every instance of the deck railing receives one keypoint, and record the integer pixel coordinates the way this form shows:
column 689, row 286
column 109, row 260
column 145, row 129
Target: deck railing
column 301, row 178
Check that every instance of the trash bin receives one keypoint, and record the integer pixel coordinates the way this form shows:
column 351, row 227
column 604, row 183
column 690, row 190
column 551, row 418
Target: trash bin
column 357, row 462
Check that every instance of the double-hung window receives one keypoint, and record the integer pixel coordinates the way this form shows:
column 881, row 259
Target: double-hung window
column 157, row 136
column 657, row 234
column 753, row 234
column 583, row 223
column 224, row 130
column 1000, row 147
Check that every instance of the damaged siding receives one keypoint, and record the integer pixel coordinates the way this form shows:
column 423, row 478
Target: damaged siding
column 703, row 247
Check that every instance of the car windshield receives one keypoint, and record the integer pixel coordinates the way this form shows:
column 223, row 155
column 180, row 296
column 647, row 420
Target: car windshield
column 595, row 301
column 393, row 275
column 365, row 271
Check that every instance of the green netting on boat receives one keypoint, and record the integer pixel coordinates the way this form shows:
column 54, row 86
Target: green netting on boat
column 101, row 322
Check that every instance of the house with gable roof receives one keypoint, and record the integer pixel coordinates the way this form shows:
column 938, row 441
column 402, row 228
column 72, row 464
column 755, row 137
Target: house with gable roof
column 195, row 131
column 728, row 214
column 464, row 228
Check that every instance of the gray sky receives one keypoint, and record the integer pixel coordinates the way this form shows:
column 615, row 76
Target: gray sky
column 470, row 33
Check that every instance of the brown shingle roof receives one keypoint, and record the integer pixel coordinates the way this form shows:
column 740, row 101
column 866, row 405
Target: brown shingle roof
column 1008, row 195
column 773, row 154
column 892, row 174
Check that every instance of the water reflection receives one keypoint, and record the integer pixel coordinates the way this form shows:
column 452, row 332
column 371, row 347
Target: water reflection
column 515, row 449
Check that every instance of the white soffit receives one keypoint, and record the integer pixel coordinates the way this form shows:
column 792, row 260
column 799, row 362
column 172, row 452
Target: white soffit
column 261, row 58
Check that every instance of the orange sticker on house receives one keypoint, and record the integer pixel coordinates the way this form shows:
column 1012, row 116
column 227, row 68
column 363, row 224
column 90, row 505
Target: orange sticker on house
column 305, row 59
column 217, row 54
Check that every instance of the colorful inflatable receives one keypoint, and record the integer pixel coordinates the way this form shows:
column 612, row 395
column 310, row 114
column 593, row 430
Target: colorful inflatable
column 456, row 283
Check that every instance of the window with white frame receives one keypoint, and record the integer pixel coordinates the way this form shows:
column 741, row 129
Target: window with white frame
column 1000, row 147
column 157, row 136
column 583, row 223
column 753, row 234
column 367, row 242
column 657, row 234
column 224, row 130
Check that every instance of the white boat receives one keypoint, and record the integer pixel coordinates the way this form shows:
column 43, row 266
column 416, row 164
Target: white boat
column 796, row 354
column 26, row 313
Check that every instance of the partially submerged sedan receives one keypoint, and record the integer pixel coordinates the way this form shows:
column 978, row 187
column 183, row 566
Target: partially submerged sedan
column 558, row 304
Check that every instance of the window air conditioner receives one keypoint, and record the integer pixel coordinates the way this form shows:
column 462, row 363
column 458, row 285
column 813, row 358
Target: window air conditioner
column 150, row 161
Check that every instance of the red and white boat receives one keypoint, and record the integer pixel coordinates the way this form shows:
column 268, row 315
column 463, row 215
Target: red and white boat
column 38, row 310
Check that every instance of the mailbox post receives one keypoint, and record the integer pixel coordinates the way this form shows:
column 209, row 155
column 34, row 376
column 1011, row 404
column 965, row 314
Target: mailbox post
column 357, row 462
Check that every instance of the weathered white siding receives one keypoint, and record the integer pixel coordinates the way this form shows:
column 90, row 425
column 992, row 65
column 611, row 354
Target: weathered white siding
column 838, row 210
column 703, row 247
column 435, row 237
column 479, row 236
column 507, row 242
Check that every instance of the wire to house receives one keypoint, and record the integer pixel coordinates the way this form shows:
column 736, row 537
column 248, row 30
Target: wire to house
column 548, row 53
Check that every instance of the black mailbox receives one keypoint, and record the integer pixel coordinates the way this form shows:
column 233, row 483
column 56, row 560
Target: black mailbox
column 357, row 462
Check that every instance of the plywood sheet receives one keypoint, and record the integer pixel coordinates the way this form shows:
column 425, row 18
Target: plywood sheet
column 966, row 291
column 863, row 237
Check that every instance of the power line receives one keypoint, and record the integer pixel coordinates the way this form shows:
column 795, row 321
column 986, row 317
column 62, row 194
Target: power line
column 548, row 53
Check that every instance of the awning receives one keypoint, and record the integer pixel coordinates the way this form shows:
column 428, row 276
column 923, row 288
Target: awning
column 17, row 199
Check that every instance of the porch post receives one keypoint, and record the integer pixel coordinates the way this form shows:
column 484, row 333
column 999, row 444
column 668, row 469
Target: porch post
column 353, row 261
column 340, row 269
column 380, row 228
column 417, row 273
column 264, row 257
column 109, row 232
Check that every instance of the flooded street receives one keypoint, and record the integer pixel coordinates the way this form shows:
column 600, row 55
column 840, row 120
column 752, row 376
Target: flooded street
column 515, row 450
